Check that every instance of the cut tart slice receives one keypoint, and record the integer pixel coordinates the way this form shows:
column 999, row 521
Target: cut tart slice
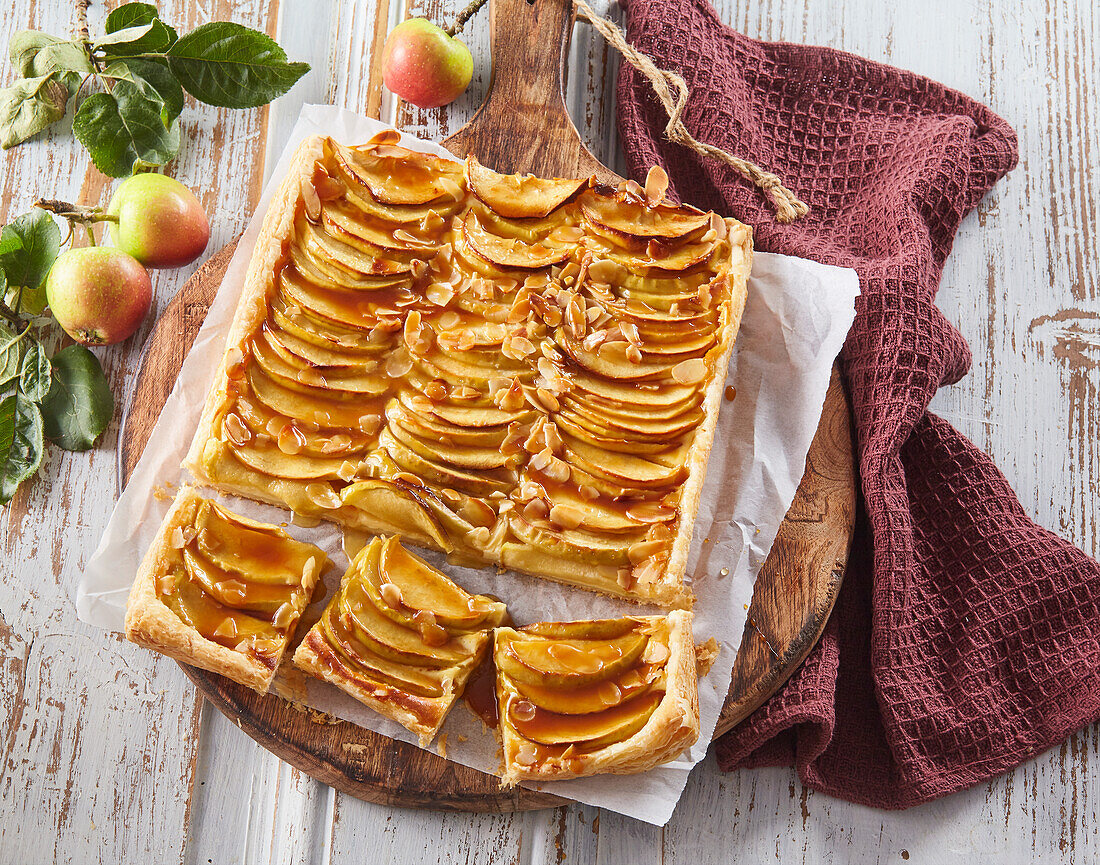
column 514, row 370
column 400, row 637
column 221, row 592
column 614, row 696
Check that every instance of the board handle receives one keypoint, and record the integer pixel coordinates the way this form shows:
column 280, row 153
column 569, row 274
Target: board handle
column 523, row 124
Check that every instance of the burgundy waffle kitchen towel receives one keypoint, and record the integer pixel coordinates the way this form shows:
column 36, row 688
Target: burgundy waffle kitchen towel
column 966, row 638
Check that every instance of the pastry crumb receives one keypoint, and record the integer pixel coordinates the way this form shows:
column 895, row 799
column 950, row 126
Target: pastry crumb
column 462, row 738
column 356, row 748
column 705, row 656
column 441, row 745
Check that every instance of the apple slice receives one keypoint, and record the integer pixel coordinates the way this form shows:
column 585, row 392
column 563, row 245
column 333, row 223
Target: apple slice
column 618, row 467
column 608, row 361
column 318, row 408
column 269, row 460
column 530, row 560
column 591, row 731
column 423, row 588
column 316, row 267
column 469, row 416
column 598, row 515
column 586, row 629
column 396, row 175
column 308, row 380
column 363, row 663
column 400, row 508
column 612, row 439
column 325, row 333
column 203, row 613
column 461, row 457
column 349, row 221
column 598, row 420
column 425, row 427
column 579, row 546
column 532, row 230
column 440, row 473
column 355, row 376
column 240, row 546
column 518, row 197
column 629, row 394
column 510, row 252
column 231, row 590
column 632, row 220
column 663, row 256
column 343, row 307
column 322, row 245
column 318, row 352
column 367, row 618
column 596, row 697
column 569, row 663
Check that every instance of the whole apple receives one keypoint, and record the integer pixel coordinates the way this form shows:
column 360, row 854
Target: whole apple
column 98, row 294
column 160, row 221
column 423, row 65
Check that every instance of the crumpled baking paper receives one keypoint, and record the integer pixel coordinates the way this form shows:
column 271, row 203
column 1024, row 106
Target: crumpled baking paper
column 797, row 317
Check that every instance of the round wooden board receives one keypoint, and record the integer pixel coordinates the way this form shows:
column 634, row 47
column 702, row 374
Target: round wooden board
column 793, row 597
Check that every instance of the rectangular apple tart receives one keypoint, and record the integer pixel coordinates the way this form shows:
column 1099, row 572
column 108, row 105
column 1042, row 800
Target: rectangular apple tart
column 221, row 592
column 400, row 637
column 612, row 696
column 517, row 371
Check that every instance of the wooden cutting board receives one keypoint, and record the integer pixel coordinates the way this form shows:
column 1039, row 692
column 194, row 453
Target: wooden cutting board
column 523, row 126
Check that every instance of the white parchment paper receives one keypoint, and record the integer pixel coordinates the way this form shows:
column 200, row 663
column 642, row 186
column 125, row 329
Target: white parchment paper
column 797, row 316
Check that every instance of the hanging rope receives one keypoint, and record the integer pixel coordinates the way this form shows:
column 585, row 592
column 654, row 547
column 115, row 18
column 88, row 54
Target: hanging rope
column 672, row 91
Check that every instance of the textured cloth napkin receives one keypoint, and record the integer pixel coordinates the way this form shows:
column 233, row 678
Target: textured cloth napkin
column 965, row 638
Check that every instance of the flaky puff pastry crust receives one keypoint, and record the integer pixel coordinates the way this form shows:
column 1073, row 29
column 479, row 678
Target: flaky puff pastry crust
column 673, row 726
column 151, row 624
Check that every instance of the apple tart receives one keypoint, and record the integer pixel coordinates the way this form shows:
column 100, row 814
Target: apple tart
column 612, row 696
column 513, row 370
column 221, row 592
column 400, row 637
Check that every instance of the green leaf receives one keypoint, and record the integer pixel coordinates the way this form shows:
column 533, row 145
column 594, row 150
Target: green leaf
column 156, row 81
column 79, row 405
column 26, row 267
column 232, row 66
column 29, row 106
column 130, row 15
column 21, row 443
column 8, row 243
column 152, row 38
column 123, row 126
column 36, row 54
column 34, row 372
column 11, row 355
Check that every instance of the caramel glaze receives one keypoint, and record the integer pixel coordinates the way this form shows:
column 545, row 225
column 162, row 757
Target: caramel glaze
column 536, row 415
column 566, row 695
column 240, row 584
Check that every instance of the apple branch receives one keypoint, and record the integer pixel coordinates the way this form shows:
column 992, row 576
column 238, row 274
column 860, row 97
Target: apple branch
column 464, row 16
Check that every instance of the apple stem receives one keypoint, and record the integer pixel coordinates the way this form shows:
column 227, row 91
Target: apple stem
column 464, row 16
column 82, row 21
column 80, row 213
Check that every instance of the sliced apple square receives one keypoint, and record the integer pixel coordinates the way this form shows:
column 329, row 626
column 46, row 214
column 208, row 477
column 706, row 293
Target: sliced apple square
column 583, row 698
column 514, row 370
column 222, row 592
column 400, row 637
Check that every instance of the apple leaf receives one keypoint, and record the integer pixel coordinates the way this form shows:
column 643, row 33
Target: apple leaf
column 125, row 125
column 34, row 372
column 134, row 14
column 35, row 54
column 155, row 79
column 152, row 36
column 11, row 355
column 29, row 106
column 232, row 66
column 79, row 404
column 26, row 265
column 21, row 443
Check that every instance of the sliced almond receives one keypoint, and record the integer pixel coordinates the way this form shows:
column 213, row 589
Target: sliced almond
column 656, row 185
column 690, row 371
column 566, row 516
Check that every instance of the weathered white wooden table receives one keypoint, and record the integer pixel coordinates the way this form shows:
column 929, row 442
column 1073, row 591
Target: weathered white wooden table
column 109, row 755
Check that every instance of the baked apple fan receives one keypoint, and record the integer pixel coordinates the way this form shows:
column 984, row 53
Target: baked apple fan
column 514, row 370
column 605, row 696
column 221, row 592
column 400, row 637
